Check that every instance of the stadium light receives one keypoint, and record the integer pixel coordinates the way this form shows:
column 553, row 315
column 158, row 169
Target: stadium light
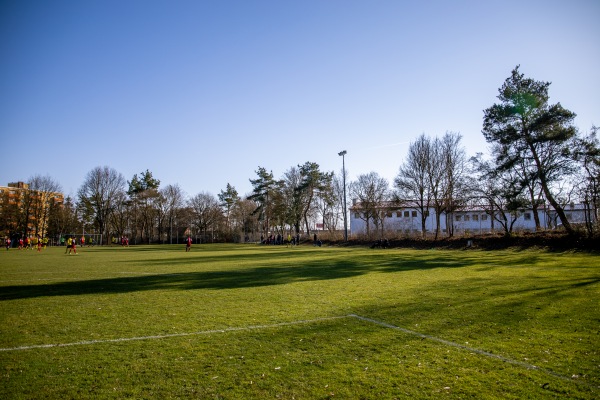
column 342, row 154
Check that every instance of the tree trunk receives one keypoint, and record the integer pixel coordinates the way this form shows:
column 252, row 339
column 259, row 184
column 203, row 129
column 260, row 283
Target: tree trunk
column 437, row 223
column 559, row 210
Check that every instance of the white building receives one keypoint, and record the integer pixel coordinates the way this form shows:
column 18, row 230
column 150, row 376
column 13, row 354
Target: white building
column 407, row 220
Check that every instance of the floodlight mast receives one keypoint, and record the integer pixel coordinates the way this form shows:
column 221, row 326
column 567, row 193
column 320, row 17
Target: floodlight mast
column 342, row 154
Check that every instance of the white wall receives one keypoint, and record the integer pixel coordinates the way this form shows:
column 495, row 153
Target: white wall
column 471, row 221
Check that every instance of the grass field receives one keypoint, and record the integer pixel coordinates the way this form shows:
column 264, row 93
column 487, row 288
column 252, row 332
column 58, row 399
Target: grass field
column 248, row 321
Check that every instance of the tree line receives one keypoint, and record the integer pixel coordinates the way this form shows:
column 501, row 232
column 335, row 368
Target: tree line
column 537, row 157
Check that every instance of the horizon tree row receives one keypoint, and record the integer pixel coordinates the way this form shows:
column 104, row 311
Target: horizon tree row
column 537, row 157
column 148, row 213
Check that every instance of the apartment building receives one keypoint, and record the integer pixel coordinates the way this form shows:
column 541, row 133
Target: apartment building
column 18, row 202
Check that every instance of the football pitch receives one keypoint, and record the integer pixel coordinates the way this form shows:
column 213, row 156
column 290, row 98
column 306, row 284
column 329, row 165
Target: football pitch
column 256, row 322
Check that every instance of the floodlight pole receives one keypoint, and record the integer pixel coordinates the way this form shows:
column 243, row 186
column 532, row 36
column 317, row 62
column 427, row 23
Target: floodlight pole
column 343, row 153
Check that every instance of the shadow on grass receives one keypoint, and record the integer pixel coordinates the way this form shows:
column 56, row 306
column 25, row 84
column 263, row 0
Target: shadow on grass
column 497, row 304
column 285, row 270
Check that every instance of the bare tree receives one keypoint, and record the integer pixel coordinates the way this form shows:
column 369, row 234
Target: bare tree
column 435, row 173
column 22, row 206
column 527, row 175
column 453, row 187
column 43, row 189
column 98, row 193
column 588, row 157
column 337, row 185
column 9, row 215
column 498, row 192
column 326, row 206
column 120, row 216
column 63, row 218
column 412, row 183
column 205, row 213
column 244, row 219
column 371, row 193
column 293, row 198
column 172, row 200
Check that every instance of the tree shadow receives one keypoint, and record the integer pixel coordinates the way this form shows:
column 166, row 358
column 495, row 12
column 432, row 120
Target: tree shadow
column 214, row 280
column 281, row 270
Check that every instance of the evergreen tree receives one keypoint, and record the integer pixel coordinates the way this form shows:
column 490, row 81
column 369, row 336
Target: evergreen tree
column 529, row 130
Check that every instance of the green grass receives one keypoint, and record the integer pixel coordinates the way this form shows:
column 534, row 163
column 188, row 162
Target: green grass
column 238, row 321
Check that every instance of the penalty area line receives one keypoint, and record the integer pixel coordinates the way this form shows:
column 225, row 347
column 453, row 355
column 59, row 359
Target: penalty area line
column 463, row 347
column 173, row 335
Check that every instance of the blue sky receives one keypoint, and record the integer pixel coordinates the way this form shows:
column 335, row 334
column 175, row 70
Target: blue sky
column 201, row 93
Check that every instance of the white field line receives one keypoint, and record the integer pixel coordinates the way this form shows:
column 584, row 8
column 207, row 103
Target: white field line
column 171, row 335
column 308, row 321
column 463, row 347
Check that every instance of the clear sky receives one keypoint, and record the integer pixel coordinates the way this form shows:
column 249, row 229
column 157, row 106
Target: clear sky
column 201, row 93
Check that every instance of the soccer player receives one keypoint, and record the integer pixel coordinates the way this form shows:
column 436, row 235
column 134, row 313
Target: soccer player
column 73, row 245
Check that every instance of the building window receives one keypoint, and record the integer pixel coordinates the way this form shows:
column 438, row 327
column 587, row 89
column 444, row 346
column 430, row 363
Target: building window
column 484, row 217
column 414, row 214
column 406, row 214
column 475, row 217
column 527, row 216
column 467, row 218
column 356, row 215
column 388, row 214
column 458, row 217
column 398, row 214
